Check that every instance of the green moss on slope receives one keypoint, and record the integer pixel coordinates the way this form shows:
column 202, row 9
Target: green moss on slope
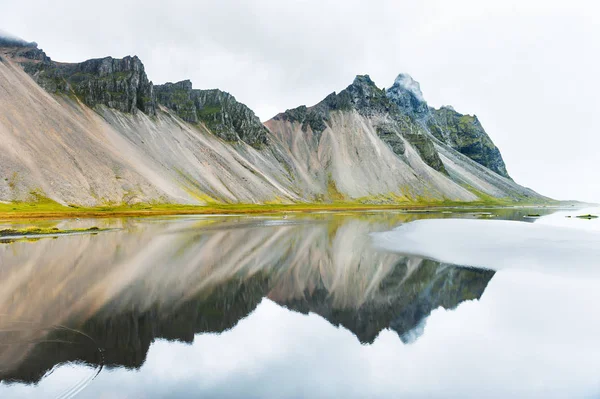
column 465, row 134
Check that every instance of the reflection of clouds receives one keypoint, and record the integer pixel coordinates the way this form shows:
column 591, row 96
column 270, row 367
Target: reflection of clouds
column 411, row 336
column 510, row 343
column 568, row 219
column 498, row 245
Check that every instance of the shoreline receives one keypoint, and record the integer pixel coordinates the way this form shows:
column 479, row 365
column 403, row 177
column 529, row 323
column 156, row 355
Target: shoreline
column 40, row 211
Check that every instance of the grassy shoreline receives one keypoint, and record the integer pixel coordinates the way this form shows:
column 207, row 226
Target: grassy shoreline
column 35, row 231
column 49, row 210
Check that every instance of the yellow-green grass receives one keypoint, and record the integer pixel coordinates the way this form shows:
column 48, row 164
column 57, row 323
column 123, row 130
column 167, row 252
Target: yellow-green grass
column 588, row 216
column 50, row 209
column 40, row 231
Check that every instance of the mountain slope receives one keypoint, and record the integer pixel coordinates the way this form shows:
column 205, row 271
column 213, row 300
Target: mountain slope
column 371, row 142
column 100, row 132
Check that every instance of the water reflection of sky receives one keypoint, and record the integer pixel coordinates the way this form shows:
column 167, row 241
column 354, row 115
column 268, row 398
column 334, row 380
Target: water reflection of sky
column 556, row 245
column 531, row 334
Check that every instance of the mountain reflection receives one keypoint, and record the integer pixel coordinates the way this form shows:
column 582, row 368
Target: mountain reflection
column 103, row 299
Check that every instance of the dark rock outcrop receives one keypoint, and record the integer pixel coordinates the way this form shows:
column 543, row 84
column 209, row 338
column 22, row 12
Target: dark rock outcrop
column 362, row 95
column 465, row 134
column 178, row 97
column 409, row 117
column 406, row 94
column 121, row 84
column 21, row 50
column 365, row 97
column 218, row 110
column 426, row 150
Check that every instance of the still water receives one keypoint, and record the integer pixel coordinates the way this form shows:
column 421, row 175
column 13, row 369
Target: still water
column 358, row 305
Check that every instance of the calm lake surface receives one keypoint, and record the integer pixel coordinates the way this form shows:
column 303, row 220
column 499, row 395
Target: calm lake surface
column 317, row 305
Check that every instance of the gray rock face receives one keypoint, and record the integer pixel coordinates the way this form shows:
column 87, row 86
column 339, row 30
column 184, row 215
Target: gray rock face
column 121, row 84
column 362, row 95
column 20, row 49
column 365, row 97
column 406, row 94
column 220, row 111
column 178, row 97
column 465, row 134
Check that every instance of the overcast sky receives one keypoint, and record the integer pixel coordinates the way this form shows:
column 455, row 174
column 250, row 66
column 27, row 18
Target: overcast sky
column 528, row 69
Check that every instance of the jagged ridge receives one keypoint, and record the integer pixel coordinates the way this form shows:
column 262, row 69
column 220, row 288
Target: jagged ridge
column 367, row 99
column 364, row 143
column 463, row 133
column 220, row 111
column 122, row 84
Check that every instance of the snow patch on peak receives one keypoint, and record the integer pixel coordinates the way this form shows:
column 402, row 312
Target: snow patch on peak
column 406, row 82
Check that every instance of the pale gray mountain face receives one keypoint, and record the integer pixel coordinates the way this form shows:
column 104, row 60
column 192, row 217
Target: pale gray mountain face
column 99, row 132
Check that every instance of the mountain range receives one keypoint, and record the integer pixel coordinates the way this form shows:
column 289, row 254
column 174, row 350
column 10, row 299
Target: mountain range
column 100, row 132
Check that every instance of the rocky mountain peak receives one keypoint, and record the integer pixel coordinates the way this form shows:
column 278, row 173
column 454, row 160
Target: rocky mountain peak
column 406, row 93
column 182, row 85
column 363, row 81
column 108, row 65
column 363, row 88
column 364, row 96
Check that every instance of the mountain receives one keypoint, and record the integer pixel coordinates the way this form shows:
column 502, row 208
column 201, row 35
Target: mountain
column 100, row 132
